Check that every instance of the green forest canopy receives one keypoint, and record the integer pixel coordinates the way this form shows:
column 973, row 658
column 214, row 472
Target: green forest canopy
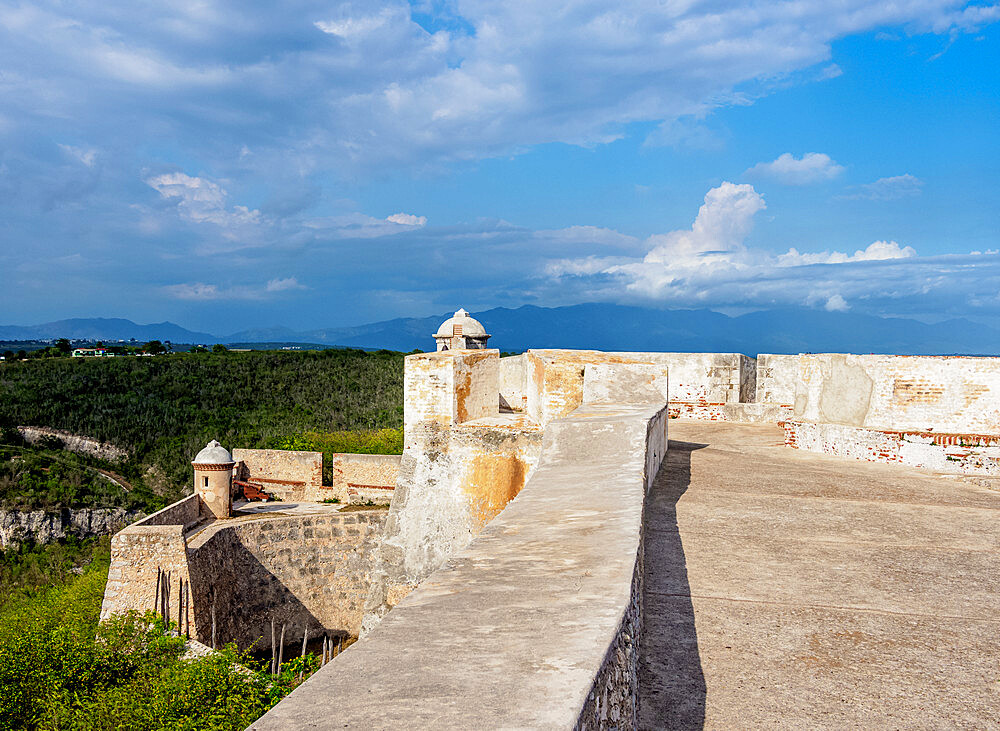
column 165, row 409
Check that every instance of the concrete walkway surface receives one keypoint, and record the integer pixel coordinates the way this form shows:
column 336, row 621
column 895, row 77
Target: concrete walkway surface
column 791, row 590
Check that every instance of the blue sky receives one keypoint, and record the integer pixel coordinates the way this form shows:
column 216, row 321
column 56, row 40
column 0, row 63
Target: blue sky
column 231, row 165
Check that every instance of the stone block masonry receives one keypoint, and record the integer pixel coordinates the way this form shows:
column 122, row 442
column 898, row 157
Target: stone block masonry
column 360, row 478
column 457, row 472
column 450, row 387
column 902, row 393
column 554, row 378
column 301, row 569
column 972, row 454
column 535, row 624
column 286, row 474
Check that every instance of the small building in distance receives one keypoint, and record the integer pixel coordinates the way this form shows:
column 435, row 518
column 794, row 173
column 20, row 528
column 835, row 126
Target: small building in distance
column 91, row 353
column 461, row 332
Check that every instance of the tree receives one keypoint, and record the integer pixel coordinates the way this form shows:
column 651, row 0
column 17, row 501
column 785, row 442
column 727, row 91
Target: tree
column 154, row 347
column 63, row 345
column 219, row 348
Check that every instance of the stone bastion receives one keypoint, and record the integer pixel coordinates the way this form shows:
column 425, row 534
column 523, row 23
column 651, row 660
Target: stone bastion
column 501, row 586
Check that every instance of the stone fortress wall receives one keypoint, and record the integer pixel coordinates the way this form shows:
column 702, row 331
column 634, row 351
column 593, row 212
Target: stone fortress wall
column 516, row 514
column 309, row 570
column 298, row 476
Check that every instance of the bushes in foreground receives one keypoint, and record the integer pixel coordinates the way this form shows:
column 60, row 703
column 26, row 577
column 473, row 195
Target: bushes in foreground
column 59, row 669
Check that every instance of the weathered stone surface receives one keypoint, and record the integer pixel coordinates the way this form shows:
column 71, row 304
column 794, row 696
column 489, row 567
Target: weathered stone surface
column 301, row 571
column 358, row 478
column 286, row 474
column 776, row 377
column 39, row 526
column 554, row 379
column 624, row 383
column 301, row 565
column 457, row 472
column 533, row 624
column 905, row 393
column 793, row 590
column 513, row 393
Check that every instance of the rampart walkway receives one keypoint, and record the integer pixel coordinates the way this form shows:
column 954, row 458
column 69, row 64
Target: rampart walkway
column 794, row 590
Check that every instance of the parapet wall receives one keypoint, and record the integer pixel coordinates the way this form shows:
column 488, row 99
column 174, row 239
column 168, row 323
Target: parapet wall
column 361, row 478
column 513, row 388
column 906, row 393
column 941, row 413
column 776, row 379
column 303, row 570
column 554, row 380
column 535, row 623
column 284, row 473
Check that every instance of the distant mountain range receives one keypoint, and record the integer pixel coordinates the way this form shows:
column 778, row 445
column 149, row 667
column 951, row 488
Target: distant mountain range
column 594, row 326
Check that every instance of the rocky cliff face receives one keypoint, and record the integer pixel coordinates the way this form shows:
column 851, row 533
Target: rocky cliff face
column 41, row 527
column 74, row 442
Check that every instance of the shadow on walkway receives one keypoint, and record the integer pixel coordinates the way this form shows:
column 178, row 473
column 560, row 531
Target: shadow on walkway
column 671, row 681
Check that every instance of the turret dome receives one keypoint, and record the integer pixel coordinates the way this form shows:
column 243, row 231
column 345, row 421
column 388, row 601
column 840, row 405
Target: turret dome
column 467, row 326
column 213, row 453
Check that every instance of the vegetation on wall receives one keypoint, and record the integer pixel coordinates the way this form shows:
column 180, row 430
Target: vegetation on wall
column 59, row 669
column 165, row 409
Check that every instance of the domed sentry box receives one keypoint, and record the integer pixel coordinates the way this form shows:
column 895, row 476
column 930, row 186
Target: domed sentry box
column 213, row 480
column 461, row 332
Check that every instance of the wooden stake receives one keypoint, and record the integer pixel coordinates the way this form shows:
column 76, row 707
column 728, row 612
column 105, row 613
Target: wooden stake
column 281, row 648
column 156, row 602
column 305, row 638
column 166, row 601
column 187, row 610
column 274, row 648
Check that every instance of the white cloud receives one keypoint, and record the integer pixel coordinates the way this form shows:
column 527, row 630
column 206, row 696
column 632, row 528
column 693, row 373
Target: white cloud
column 202, row 201
column 887, row 189
column 198, row 291
column 407, row 219
column 812, row 167
column 875, row 251
column 357, row 84
column 284, row 285
column 202, row 292
column 86, row 156
column 711, row 264
column 836, row 303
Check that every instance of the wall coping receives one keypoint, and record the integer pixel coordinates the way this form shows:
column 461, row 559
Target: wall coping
column 518, row 627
